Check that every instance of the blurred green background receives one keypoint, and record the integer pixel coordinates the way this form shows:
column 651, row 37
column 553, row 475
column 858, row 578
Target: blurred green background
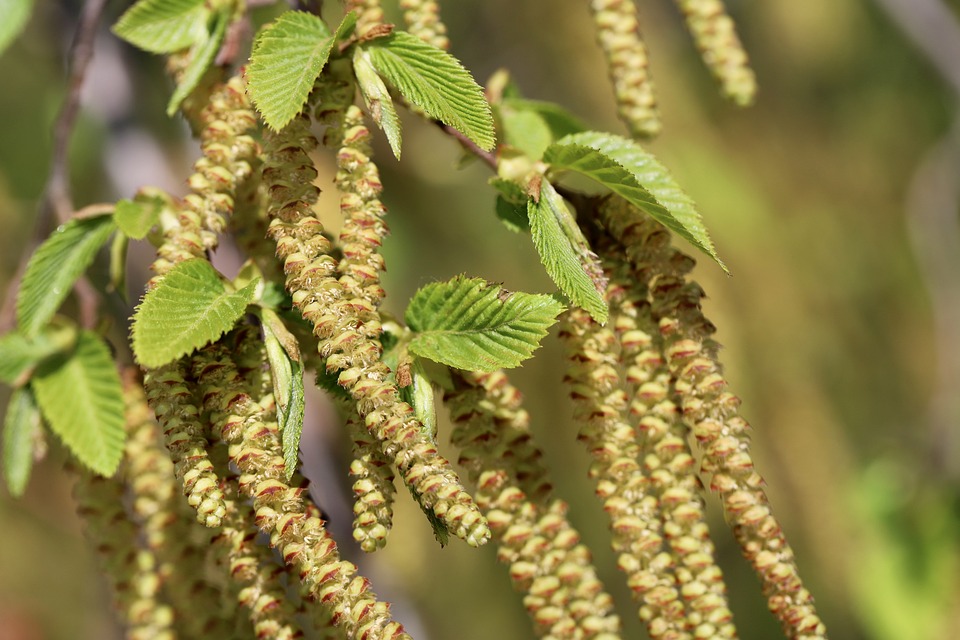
column 833, row 200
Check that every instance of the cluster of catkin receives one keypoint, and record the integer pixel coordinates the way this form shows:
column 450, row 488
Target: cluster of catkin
column 644, row 386
column 617, row 26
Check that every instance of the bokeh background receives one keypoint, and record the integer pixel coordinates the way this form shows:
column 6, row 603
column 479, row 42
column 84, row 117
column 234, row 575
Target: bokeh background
column 833, row 200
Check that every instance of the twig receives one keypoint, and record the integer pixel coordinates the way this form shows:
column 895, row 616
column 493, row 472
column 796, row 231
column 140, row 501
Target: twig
column 488, row 157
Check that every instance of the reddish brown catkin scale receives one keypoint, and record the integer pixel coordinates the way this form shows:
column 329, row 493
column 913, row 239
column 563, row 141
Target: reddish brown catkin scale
column 667, row 458
column 280, row 508
column 635, row 518
column 422, row 18
column 715, row 35
column 345, row 319
column 711, row 412
column 548, row 563
column 618, row 33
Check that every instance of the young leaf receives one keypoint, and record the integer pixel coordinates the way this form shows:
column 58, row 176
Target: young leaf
column 55, row 266
column 420, row 396
column 14, row 15
column 436, row 82
column 19, row 354
column 163, row 26
column 82, row 400
column 189, row 308
column 377, row 99
column 629, row 171
column 284, row 356
column 288, row 56
column 512, row 215
column 136, row 217
column 19, row 429
column 525, row 130
column 473, row 325
column 565, row 254
column 560, row 121
column 201, row 57
column 118, row 265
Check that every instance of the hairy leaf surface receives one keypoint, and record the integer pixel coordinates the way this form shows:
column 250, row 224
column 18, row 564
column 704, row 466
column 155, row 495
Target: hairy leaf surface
column 163, row 26
column 19, row 428
column 378, row 100
column 565, row 253
column 82, row 400
column 287, row 58
column 189, row 308
column 436, row 82
column 631, row 172
column 287, row 372
column 471, row 324
column 204, row 51
column 55, row 267
column 14, row 15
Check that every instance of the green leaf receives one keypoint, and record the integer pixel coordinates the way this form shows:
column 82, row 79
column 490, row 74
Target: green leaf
column 82, row 400
column 201, row 57
column 19, row 354
column 378, row 100
column 55, row 266
column 287, row 58
column 473, row 325
column 189, row 308
column 420, row 396
column 526, row 131
column 136, row 217
column 624, row 167
column 20, row 427
column 283, row 353
column 512, row 215
column 558, row 120
column 435, row 81
column 163, row 26
column 565, row 254
column 118, row 265
column 14, row 15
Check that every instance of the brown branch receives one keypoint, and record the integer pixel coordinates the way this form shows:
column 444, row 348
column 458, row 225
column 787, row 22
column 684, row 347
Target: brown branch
column 489, row 157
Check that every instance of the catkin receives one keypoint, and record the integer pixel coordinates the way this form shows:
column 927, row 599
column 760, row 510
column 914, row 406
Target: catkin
column 422, row 18
column 345, row 320
column 131, row 571
column 369, row 14
column 635, row 513
column 667, row 458
column 562, row 593
column 715, row 35
column 373, row 488
column 711, row 412
column 280, row 508
column 618, row 32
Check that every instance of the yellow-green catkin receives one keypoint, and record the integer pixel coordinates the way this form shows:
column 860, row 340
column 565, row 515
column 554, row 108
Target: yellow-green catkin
column 131, row 571
column 373, row 488
column 227, row 153
column 347, row 323
column 600, row 404
column 369, row 14
column 422, row 18
column 280, row 508
column 618, row 33
column 712, row 414
column 548, row 563
column 255, row 571
column 667, row 458
column 185, row 435
column 715, row 35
